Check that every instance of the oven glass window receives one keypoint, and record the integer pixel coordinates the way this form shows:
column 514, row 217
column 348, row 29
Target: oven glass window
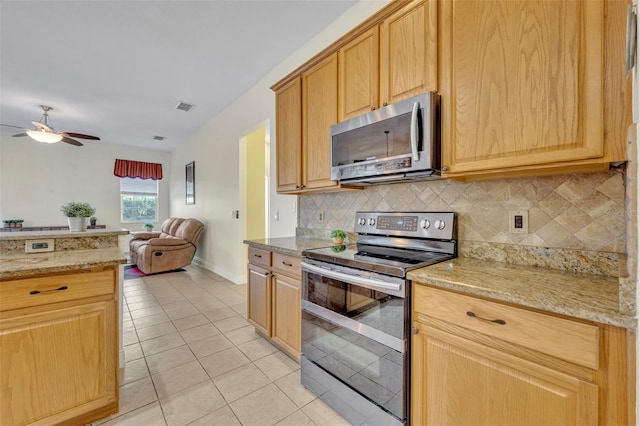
column 376, row 309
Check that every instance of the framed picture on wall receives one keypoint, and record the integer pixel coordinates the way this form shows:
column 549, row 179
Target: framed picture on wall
column 190, row 182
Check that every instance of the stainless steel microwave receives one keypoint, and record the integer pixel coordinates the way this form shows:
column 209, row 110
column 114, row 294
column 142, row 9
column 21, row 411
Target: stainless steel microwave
column 396, row 143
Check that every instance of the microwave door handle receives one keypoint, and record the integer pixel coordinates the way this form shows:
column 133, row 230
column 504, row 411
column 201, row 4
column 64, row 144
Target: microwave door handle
column 414, row 131
column 351, row 279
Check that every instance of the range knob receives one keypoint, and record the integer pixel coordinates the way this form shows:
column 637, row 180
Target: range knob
column 439, row 224
column 372, row 221
column 362, row 221
column 425, row 224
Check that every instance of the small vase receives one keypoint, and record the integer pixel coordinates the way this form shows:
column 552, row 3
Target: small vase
column 77, row 224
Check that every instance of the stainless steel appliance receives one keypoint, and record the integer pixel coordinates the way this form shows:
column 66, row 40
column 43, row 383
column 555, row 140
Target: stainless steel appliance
column 356, row 312
column 397, row 143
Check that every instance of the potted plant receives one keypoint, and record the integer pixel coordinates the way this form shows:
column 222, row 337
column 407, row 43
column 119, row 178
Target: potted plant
column 93, row 220
column 12, row 223
column 77, row 214
column 338, row 236
column 148, row 226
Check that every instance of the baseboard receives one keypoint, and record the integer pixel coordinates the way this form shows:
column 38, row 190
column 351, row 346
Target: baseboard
column 236, row 279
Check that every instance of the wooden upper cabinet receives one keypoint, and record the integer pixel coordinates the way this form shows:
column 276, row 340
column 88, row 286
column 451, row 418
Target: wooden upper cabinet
column 408, row 52
column 319, row 112
column 521, row 84
column 289, row 136
column 358, row 75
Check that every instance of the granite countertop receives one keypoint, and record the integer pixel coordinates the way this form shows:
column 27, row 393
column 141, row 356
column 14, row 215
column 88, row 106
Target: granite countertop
column 30, row 235
column 293, row 246
column 579, row 295
column 24, row 265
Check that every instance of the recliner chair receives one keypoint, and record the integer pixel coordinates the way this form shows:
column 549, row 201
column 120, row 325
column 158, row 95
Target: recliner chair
column 170, row 249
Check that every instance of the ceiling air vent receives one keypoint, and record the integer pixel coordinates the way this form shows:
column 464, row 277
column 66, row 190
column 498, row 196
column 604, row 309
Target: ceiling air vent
column 158, row 138
column 182, row 106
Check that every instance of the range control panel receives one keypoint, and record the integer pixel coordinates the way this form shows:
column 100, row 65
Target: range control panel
column 434, row 225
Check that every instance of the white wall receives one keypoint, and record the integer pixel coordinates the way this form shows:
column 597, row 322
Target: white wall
column 36, row 179
column 215, row 150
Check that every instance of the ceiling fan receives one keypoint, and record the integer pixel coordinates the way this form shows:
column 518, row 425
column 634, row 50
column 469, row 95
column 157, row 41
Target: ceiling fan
column 44, row 132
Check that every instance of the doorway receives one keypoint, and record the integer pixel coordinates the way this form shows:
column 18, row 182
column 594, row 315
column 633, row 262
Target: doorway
column 254, row 185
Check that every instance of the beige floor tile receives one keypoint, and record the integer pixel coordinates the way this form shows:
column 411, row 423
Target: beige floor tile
column 145, row 312
column 257, row 349
column 140, row 297
column 241, row 309
column 161, row 344
column 136, row 394
column 221, row 362
column 200, row 332
column 299, row 418
column 291, row 386
column 240, row 382
column 144, row 304
column 151, row 320
column 157, row 330
column 277, row 365
column 129, row 337
column 231, row 323
column 210, row 345
column 169, row 359
column 192, row 404
column 135, row 370
column 187, row 311
column 219, row 314
column 242, row 335
column 174, row 306
column 190, row 322
column 264, row 407
column 221, row 417
column 233, row 299
column 133, row 352
column 177, row 379
column 322, row 414
column 149, row 415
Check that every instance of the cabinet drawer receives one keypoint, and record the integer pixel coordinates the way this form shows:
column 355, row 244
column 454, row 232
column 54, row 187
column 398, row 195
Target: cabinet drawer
column 259, row 257
column 61, row 288
column 569, row 340
column 286, row 264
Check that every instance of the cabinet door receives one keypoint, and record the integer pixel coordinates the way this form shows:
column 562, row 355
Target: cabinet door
column 286, row 314
column 319, row 112
column 58, row 365
column 289, row 136
column 459, row 382
column 259, row 298
column 408, row 52
column 521, row 83
column 358, row 75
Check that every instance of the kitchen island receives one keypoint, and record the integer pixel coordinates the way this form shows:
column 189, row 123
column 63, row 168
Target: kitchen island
column 59, row 327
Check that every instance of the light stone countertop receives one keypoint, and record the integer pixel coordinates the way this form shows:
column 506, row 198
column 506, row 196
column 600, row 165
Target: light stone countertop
column 32, row 235
column 293, row 246
column 24, row 265
column 579, row 295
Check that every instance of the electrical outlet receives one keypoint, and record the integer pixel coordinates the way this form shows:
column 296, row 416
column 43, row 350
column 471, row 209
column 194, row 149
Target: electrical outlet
column 321, row 216
column 39, row 246
column 519, row 221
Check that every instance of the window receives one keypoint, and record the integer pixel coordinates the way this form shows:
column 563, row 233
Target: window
column 138, row 200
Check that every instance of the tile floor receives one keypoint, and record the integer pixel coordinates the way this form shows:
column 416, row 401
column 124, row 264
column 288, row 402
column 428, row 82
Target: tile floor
column 191, row 358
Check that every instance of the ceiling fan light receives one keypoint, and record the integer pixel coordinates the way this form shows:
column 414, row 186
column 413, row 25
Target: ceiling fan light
column 44, row 137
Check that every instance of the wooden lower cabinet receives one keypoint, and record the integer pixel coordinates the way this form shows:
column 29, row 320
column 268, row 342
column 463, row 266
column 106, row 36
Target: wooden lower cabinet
column 58, row 360
column 259, row 298
column 469, row 371
column 286, row 313
column 273, row 298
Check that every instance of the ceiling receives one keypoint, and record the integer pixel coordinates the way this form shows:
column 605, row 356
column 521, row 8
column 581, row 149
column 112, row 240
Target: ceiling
column 118, row 69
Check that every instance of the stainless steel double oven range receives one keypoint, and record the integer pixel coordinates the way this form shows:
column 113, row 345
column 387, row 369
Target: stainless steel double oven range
column 356, row 304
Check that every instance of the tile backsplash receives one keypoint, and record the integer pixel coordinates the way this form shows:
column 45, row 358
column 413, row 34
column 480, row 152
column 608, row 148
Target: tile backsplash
column 578, row 211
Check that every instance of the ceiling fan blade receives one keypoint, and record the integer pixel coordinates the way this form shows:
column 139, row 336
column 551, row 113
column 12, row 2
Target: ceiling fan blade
column 79, row 135
column 71, row 141
column 9, row 125
column 19, row 135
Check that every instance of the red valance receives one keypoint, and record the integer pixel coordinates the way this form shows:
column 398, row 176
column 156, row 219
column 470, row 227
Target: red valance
column 137, row 169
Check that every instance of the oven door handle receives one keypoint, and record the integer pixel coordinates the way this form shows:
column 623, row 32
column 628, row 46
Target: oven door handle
column 352, row 279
